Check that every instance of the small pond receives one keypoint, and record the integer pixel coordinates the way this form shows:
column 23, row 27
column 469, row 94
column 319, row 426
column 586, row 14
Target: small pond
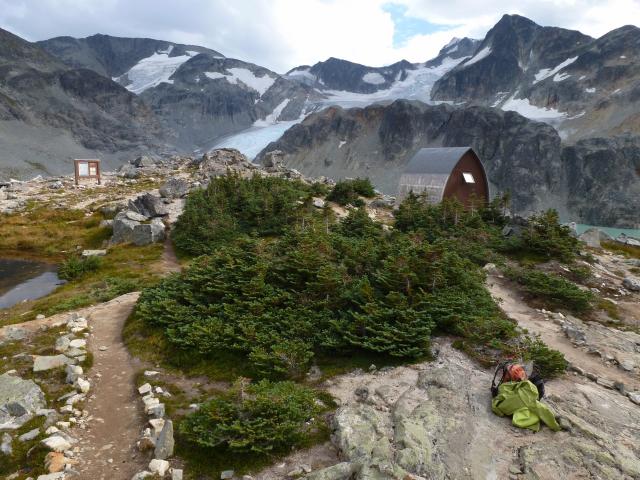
column 25, row 280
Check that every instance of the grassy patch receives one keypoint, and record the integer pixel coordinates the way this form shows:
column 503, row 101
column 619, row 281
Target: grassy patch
column 629, row 251
column 124, row 269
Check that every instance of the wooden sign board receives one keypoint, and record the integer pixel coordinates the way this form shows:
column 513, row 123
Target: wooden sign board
column 87, row 169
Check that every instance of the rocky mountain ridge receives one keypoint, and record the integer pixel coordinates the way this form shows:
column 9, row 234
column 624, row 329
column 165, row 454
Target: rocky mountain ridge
column 50, row 112
column 583, row 85
column 521, row 156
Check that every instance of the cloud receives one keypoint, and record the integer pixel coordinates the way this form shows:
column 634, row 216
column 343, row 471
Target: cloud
column 281, row 34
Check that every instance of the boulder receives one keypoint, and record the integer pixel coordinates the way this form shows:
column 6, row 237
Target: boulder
column 273, row 159
column 176, row 474
column 174, row 188
column 21, row 397
column 123, row 228
column 30, row 435
column 165, row 442
column 632, row 284
column 128, row 171
column 146, row 233
column 149, row 205
column 590, row 237
column 143, row 161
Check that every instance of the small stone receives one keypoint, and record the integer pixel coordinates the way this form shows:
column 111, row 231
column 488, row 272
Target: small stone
column 156, row 411
column 515, row 469
column 176, row 474
column 56, row 443
column 158, row 467
column 78, row 343
column 296, row 472
column 83, row 385
column 103, row 348
column 627, row 365
column 144, row 389
column 43, row 363
column 5, row 446
column 150, row 373
column 94, row 253
column 40, row 316
column 165, row 442
column 54, row 462
column 226, row 474
column 51, row 430
column 634, row 397
column 30, row 435
column 62, row 343
column 141, row 475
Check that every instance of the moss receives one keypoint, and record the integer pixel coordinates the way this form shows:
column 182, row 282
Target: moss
column 629, row 251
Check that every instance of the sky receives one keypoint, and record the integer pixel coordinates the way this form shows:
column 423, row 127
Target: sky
column 282, row 34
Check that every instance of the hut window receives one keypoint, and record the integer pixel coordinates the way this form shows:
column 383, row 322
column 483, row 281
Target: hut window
column 468, row 178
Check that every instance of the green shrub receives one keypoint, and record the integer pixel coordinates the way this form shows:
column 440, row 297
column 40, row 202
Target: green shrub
column 549, row 363
column 348, row 191
column 231, row 206
column 75, row 267
column 553, row 290
column 260, row 418
column 545, row 239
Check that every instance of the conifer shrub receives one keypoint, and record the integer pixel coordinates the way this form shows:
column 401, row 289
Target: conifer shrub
column 76, row 267
column 553, row 290
column 350, row 288
column 549, row 363
column 261, row 418
column 348, row 191
column 231, row 206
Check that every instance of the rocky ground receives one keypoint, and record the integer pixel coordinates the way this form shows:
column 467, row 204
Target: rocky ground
column 74, row 397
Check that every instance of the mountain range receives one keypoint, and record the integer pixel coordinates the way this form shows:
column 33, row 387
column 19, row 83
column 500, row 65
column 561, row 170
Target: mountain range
column 115, row 98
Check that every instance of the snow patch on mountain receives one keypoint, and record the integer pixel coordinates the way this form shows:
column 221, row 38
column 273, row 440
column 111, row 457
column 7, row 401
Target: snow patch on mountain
column 373, row 78
column 558, row 77
column 548, row 72
column 152, row 71
column 272, row 118
column 416, row 86
column 245, row 77
column 524, row 107
column 484, row 53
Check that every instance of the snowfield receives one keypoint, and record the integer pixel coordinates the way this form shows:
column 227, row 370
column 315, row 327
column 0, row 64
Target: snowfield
column 154, row 70
column 548, row 72
column 485, row 52
column 373, row 78
column 524, row 108
column 245, row 77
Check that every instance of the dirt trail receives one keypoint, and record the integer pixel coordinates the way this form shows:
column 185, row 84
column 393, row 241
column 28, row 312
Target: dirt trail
column 108, row 444
column 551, row 334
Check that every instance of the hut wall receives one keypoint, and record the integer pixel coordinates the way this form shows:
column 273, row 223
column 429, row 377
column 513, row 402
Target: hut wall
column 456, row 186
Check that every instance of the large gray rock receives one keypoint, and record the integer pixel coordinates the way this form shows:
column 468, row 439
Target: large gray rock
column 149, row 205
column 174, row 188
column 632, row 284
column 144, row 161
column 123, row 228
column 340, row 471
column 435, row 422
column 165, row 442
column 146, row 233
column 590, row 237
column 19, row 400
column 128, row 171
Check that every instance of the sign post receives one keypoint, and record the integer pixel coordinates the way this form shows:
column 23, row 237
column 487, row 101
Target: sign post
column 87, row 168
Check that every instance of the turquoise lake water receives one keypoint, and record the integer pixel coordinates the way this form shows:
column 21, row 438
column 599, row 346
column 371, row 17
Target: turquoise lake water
column 614, row 232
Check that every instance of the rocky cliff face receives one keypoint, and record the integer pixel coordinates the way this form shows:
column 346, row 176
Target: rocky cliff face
column 50, row 112
column 586, row 86
column 519, row 155
column 114, row 56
